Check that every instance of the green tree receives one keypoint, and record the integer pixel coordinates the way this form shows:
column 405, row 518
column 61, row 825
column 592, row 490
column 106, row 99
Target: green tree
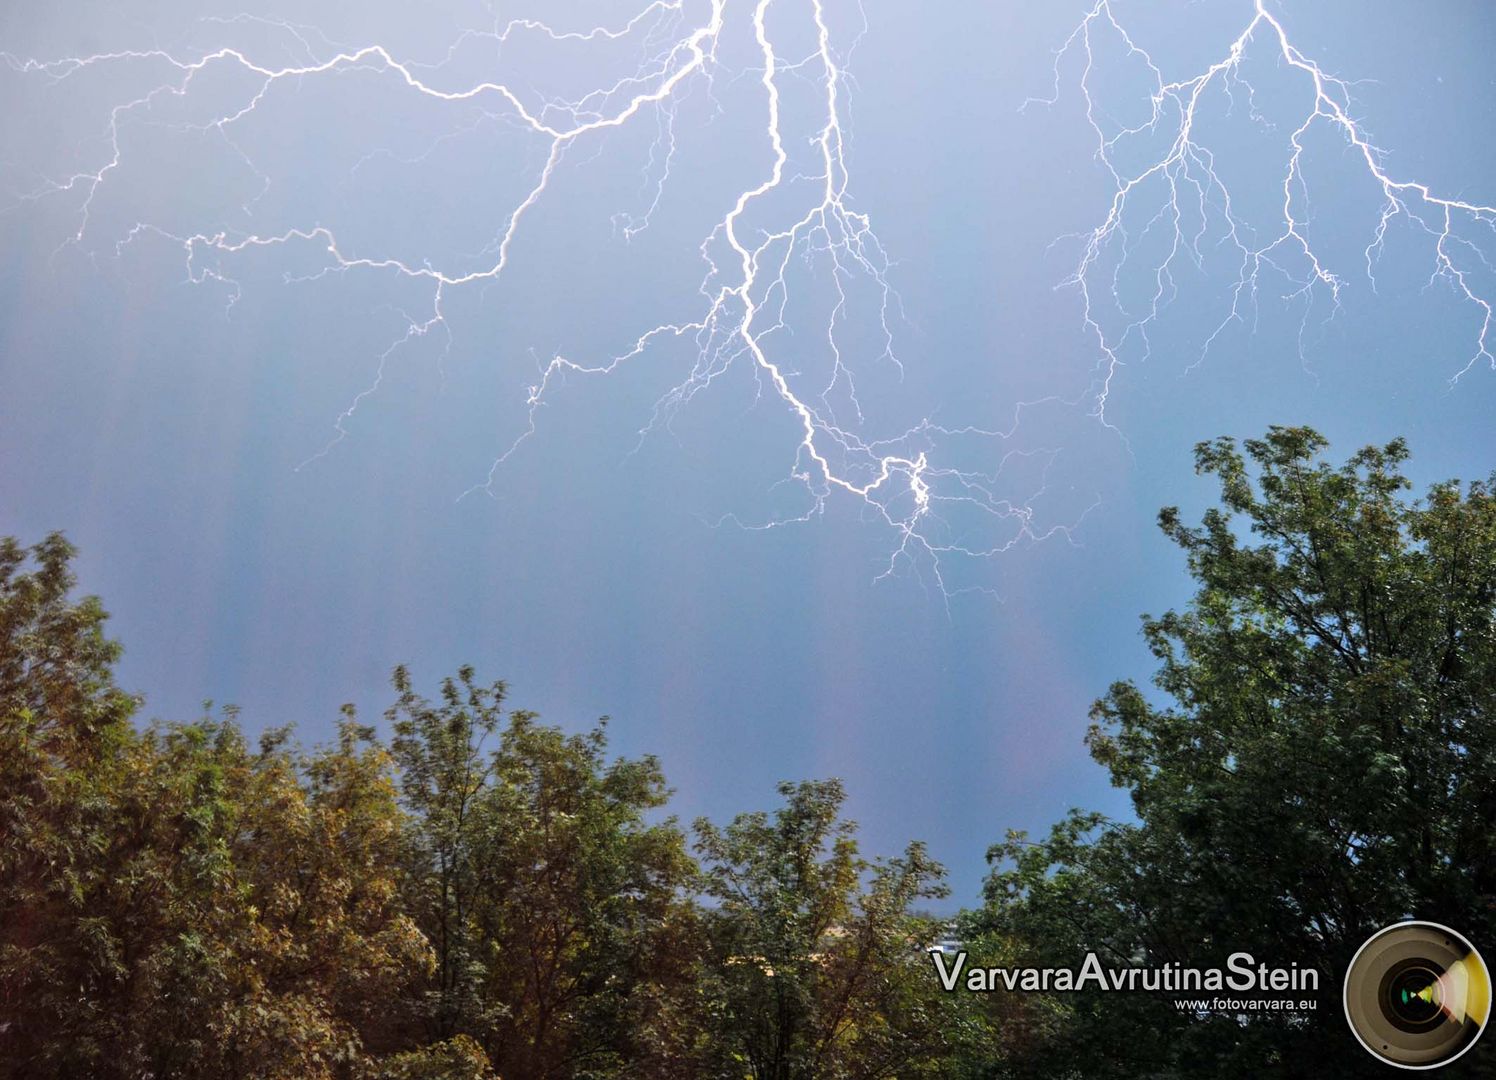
column 240, row 913
column 173, row 904
column 444, row 772
column 819, row 967
column 1318, row 763
column 64, row 726
column 486, row 897
column 560, row 914
column 323, row 948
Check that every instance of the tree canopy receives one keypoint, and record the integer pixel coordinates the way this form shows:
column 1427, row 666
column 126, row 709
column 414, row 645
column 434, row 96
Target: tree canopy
column 1315, row 762
column 481, row 896
column 467, row 893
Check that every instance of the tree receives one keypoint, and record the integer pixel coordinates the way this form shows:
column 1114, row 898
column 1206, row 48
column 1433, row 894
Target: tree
column 486, row 897
column 819, row 966
column 584, row 929
column 323, row 946
column 443, row 773
column 558, row 912
column 1319, row 763
column 171, row 903
column 63, row 726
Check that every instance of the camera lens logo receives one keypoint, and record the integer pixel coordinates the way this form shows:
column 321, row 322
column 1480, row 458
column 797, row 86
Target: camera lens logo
column 1417, row 995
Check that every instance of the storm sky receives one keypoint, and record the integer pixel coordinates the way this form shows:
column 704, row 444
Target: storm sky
column 281, row 472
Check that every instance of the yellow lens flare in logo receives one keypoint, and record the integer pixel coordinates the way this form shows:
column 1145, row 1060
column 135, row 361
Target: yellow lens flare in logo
column 1464, row 991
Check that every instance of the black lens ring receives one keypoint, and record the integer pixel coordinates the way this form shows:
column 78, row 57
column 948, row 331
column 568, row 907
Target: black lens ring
column 1399, row 1016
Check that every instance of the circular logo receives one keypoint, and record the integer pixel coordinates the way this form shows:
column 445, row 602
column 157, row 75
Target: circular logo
column 1417, row 995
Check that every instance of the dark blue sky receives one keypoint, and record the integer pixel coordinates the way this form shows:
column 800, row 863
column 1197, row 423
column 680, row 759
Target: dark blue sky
column 161, row 422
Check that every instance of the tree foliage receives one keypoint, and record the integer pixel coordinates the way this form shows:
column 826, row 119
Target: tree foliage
column 483, row 897
column 1317, row 762
column 551, row 900
column 486, row 897
column 819, row 964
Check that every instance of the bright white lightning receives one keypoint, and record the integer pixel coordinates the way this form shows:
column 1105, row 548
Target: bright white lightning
column 746, row 291
column 1180, row 187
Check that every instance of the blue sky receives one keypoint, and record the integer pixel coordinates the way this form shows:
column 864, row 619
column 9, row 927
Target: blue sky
column 167, row 425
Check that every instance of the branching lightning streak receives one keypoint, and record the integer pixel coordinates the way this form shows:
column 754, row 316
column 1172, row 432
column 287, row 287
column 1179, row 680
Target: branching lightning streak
column 745, row 293
column 1193, row 188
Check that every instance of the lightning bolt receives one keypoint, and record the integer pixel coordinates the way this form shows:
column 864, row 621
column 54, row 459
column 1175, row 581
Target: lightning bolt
column 1165, row 174
column 796, row 212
